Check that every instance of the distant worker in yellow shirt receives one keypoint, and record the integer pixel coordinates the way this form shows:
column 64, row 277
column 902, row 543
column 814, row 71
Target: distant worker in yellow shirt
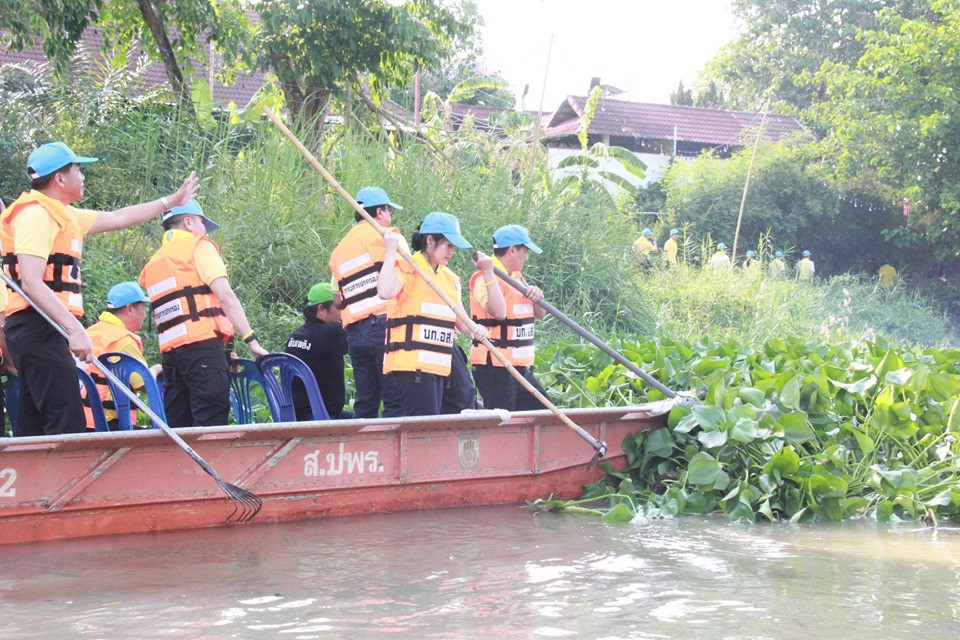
column 888, row 276
column 806, row 268
column 778, row 268
column 751, row 265
column 670, row 248
column 720, row 260
column 644, row 246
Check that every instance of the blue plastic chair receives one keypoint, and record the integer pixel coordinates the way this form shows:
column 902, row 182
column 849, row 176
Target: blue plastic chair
column 280, row 393
column 93, row 399
column 11, row 398
column 123, row 366
column 241, row 389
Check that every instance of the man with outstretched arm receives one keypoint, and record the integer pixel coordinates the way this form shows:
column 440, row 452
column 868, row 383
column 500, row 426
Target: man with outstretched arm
column 196, row 312
column 510, row 317
column 41, row 237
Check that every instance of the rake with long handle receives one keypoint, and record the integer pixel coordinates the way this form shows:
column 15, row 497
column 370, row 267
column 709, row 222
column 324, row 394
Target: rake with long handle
column 246, row 504
column 599, row 447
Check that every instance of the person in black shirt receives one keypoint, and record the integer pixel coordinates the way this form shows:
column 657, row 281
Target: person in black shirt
column 320, row 342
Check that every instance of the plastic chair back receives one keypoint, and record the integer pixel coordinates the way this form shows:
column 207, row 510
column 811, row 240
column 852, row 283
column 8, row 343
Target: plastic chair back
column 93, row 398
column 280, row 392
column 11, row 398
column 123, row 366
column 241, row 387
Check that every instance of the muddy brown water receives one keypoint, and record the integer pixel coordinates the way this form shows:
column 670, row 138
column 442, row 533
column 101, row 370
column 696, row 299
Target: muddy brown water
column 498, row 572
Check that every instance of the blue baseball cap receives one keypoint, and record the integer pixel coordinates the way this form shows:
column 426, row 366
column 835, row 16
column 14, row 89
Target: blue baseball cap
column 778, row 254
column 52, row 156
column 120, row 295
column 446, row 224
column 375, row 197
column 192, row 208
column 647, row 232
column 674, row 232
column 750, row 253
column 513, row 235
column 721, row 246
column 806, row 253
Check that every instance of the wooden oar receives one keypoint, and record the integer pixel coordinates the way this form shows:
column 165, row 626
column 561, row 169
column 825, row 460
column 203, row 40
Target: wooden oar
column 599, row 447
column 245, row 504
column 562, row 317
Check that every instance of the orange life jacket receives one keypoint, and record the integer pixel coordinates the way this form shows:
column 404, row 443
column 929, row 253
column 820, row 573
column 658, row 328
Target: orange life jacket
column 356, row 264
column 62, row 273
column 184, row 308
column 420, row 326
column 105, row 336
column 513, row 335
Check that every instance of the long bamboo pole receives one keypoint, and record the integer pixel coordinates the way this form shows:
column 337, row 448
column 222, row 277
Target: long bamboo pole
column 746, row 185
column 599, row 447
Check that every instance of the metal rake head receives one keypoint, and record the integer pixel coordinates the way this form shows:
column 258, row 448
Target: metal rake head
column 246, row 505
column 601, row 450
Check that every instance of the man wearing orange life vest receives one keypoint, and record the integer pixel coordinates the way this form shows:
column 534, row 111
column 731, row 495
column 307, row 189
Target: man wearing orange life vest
column 41, row 237
column 355, row 264
column 510, row 316
column 114, row 332
column 196, row 312
column 420, row 326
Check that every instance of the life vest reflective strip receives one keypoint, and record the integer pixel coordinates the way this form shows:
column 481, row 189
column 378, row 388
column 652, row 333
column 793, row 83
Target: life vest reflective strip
column 184, row 308
column 513, row 335
column 421, row 327
column 62, row 273
column 355, row 263
column 105, row 336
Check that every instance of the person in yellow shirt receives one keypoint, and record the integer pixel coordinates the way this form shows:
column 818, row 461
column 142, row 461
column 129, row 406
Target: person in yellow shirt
column 888, row 276
column 751, row 265
column 196, row 312
column 115, row 332
column 670, row 249
column 41, row 237
column 778, row 268
column 418, row 356
column 720, row 260
column 644, row 246
column 806, row 269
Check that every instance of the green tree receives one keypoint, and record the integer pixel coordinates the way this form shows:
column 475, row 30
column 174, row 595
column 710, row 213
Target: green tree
column 192, row 23
column 895, row 113
column 784, row 41
column 681, row 96
column 317, row 48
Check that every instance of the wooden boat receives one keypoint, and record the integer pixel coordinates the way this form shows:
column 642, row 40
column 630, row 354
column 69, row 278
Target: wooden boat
column 94, row 484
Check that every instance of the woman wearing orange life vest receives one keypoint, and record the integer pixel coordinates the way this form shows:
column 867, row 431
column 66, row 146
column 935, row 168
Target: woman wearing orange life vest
column 420, row 326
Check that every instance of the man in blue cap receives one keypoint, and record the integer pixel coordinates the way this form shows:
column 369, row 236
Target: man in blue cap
column 321, row 343
column 751, row 264
column 115, row 332
column 644, row 246
column 355, row 264
column 41, row 237
column 806, row 269
column 778, row 268
column 196, row 312
column 510, row 317
column 720, row 260
column 671, row 248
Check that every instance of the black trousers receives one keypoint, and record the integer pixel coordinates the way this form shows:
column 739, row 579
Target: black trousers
column 49, row 388
column 421, row 393
column 459, row 392
column 197, row 385
column 500, row 390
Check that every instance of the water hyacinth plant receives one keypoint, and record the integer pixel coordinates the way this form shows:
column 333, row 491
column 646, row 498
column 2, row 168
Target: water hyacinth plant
column 798, row 430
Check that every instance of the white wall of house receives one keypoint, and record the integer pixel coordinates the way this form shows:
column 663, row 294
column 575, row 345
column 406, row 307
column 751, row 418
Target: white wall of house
column 656, row 165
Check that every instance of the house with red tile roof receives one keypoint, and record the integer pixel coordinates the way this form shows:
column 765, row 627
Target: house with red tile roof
column 656, row 133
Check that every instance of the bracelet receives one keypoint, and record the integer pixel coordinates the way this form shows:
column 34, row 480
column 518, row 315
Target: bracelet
column 249, row 337
column 490, row 282
column 165, row 203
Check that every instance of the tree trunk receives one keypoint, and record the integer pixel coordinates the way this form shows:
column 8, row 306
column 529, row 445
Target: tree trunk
column 154, row 22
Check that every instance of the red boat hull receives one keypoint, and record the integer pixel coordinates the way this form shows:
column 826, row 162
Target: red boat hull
column 113, row 483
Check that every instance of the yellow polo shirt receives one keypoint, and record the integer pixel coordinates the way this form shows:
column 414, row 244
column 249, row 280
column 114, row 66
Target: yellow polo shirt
column 670, row 251
column 34, row 230
column 642, row 247
column 479, row 289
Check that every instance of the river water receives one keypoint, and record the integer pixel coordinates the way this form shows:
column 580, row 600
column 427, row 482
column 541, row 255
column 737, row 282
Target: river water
column 497, row 572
